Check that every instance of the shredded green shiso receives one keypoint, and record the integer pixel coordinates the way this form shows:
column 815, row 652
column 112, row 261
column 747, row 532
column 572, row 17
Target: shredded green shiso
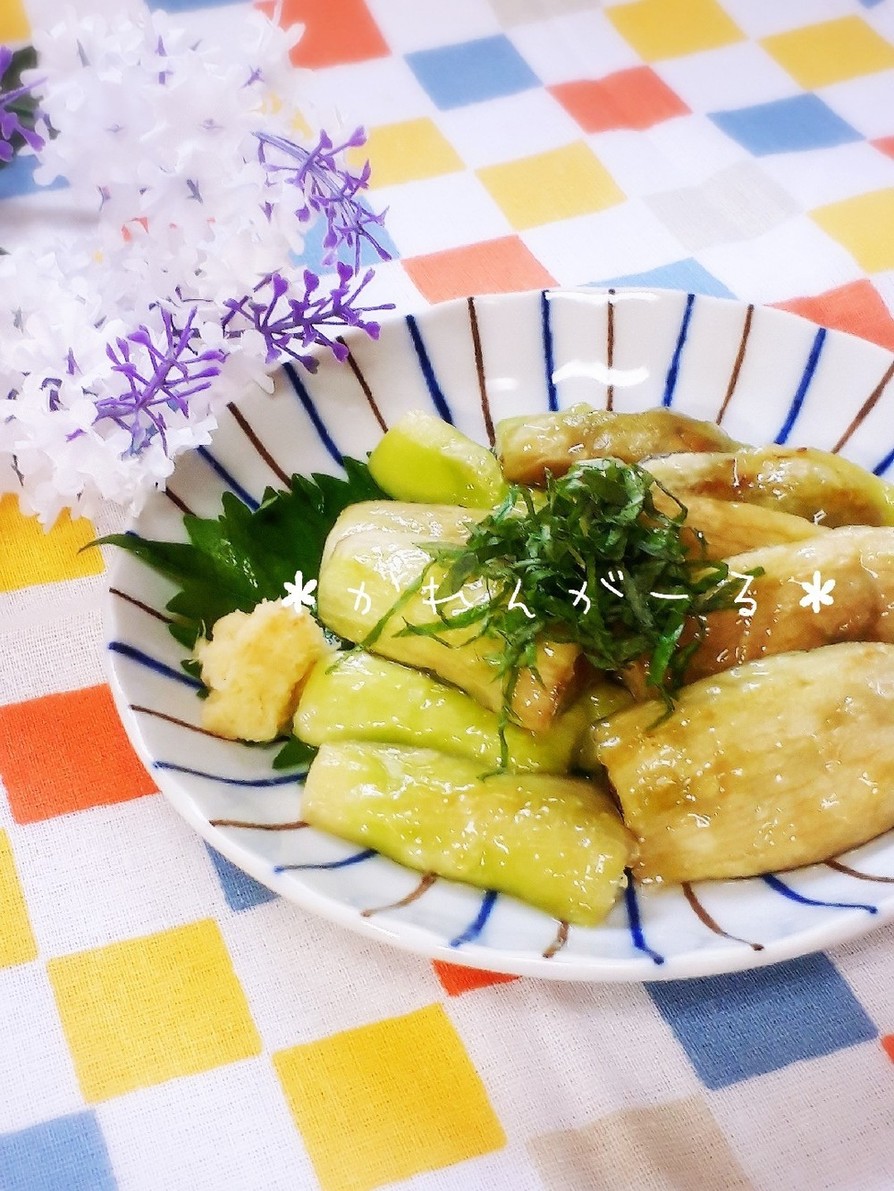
column 591, row 561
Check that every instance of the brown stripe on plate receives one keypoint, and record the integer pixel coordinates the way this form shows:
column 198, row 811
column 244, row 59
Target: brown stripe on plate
column 737, row 363
column 173, row 719
column 866, row 407
column 249, row 432
column 122, row 595
column 180, row 504
column 559, row 941
column 711, row 923
column 296, row 825
column 479, row 371
column 364, row 385
column 425, row 883
column 853, row 872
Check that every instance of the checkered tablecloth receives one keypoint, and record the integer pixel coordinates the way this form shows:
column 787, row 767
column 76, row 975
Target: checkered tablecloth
column 168, row 1024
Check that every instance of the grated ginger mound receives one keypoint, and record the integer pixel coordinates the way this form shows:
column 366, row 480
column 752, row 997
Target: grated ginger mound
column 254, row 666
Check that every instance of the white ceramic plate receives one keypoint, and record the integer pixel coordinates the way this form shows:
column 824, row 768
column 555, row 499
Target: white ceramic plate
column 766, row 375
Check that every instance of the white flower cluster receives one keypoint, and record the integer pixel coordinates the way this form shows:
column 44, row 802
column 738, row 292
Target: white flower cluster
column 156, row 137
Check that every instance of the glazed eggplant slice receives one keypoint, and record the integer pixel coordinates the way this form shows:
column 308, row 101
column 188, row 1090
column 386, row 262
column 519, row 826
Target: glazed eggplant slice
column 731, row 527
column 851, row 571
column 771, row 765
column 359, row 696
column 854, row 599
column 555, row 842
column 531, row 445
column 800, row 480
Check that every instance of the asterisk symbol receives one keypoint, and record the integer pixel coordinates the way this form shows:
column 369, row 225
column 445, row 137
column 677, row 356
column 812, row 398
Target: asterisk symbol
column 817, row 592
column 300, row 593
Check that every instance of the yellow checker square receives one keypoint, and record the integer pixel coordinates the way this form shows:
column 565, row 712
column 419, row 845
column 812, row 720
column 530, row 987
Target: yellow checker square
column 865, row 226
column 407, row 152
column 388, row 1100
column 17, row 945
column 13, row 22
column 669, row 28
column 817, row 55
column 558, row 184
column 147, row 1010
column 31, row 555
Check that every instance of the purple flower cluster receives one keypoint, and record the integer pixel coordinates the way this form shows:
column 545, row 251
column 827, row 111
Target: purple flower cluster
column 160, row 377
column 292, row 320
column 14, row 105
column 293, row 323
column 209, row 322
column 325, row 187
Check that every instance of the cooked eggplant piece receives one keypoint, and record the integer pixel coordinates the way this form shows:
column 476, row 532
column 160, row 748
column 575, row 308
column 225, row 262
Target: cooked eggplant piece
column 602, row 697
column 531, row 445
column 371, row 559
column 358, row 696
column 858, row 606
column 557, row 843
column 772, row 765
column 860, row 563
column 731, row 527
column 800, row 480
column 422, row 522
column 424, row 458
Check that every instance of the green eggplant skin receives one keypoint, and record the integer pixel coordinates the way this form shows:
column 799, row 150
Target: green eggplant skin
column 556, row 843
column 360, row 696
column 423, row 458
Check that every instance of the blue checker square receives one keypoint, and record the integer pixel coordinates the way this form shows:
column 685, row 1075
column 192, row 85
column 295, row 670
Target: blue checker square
column 17, row 178
column 688, row 274
column 456, row 75
column 241, row 891
column 65, row 1154
column 743, row 1024
column 785, row 126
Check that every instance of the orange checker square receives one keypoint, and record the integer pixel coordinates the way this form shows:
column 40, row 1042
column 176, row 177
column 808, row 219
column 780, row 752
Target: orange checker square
column 335, row 32
column 457, row 979
column 856, row 307
column 498, row 266
column 636, row 99
column 67, row 752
